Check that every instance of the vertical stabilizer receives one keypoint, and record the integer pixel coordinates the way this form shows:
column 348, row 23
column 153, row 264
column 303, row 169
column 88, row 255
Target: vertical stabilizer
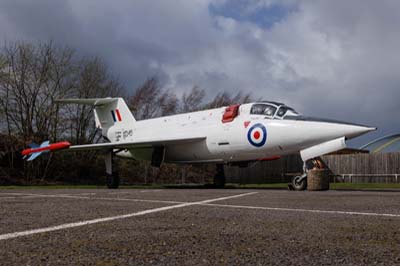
column 109, row 113
column 115, row 113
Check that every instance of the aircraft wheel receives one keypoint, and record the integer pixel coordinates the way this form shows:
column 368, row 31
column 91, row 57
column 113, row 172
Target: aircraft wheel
column 299, row 183
column 112, row 181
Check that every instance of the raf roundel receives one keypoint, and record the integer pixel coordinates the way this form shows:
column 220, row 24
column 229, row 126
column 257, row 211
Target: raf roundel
column 257, row 135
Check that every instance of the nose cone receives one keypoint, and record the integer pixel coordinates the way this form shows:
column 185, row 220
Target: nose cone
column 351, row 131
column 311, row 130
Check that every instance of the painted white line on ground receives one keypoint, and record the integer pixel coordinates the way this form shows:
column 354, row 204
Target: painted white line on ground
column 139, row 200
column 32, row 196
column 150, row 190
column 302, row 210
column 48, row 195
column 83, row 194
column 35, row 195
column 69, row 196
column 113, row 218
column 14, row 197
column 24, row 193
column 14, row 193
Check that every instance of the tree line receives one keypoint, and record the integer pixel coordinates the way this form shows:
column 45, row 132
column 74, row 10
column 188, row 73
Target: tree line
column 34, row 75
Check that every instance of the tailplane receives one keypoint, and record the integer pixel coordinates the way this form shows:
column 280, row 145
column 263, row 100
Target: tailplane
column 108, row 112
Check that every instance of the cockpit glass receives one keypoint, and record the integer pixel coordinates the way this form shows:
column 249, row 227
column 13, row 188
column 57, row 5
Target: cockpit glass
column 263, row 109
column 292, row 110
column 282, row 111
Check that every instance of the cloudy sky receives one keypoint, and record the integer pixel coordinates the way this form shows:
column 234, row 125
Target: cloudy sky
column 336, row 59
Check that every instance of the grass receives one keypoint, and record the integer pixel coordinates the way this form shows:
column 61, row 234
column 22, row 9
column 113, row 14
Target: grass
column 261, row 186
column 339, row 186
column 364, row 185
column 350, row 186
column 155, row 186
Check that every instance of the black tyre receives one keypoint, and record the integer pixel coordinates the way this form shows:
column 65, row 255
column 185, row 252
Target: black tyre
column 112, row 181
column 299, row 183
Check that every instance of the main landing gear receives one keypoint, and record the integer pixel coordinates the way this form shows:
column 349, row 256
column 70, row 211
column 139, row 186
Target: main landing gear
column 219, row 178
column 112, row 176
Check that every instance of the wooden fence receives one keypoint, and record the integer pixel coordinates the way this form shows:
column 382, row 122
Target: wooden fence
column 358, row 168
column 277, row 171
column 365, row 168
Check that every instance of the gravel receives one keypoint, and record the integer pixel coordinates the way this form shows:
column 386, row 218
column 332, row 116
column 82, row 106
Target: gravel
column 202, row 235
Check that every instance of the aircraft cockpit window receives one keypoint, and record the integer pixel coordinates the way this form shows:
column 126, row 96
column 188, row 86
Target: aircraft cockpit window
column 263, row 109
column 283, row 110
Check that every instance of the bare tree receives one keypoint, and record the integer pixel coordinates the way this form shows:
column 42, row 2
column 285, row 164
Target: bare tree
column 32, row 77
column 193, row 100
column 168, row 103
column 92, row 81
column 225, row 98
column 150, row 100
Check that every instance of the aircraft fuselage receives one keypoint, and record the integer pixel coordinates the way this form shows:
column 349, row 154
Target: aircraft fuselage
column 247, row 137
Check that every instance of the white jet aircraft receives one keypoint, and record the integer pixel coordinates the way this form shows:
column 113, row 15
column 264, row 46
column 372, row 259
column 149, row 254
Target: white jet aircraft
column 237, row 134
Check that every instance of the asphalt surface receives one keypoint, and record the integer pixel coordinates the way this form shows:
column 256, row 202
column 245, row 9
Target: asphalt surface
column 198, row 227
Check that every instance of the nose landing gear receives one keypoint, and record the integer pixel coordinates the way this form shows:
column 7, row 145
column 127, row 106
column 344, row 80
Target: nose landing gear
column 299, row 182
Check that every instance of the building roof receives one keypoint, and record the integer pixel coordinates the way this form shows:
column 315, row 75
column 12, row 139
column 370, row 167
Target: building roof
column 390, row 143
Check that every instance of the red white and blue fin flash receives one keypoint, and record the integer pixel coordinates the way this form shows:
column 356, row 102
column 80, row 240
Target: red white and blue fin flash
column 116, row 115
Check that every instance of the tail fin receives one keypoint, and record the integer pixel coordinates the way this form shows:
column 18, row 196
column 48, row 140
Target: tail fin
column 34, row 156
column 108, row 112
column 33, row 145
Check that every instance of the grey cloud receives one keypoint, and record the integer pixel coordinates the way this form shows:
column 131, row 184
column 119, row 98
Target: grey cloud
column 336, row 59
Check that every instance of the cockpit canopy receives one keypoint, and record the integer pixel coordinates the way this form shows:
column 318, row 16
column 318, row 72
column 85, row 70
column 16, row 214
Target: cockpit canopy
column 272, row 110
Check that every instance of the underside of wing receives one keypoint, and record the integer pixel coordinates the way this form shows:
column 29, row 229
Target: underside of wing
column 134, row 144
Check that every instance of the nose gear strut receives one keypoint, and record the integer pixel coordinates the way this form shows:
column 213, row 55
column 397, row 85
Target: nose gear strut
column 300, row 182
